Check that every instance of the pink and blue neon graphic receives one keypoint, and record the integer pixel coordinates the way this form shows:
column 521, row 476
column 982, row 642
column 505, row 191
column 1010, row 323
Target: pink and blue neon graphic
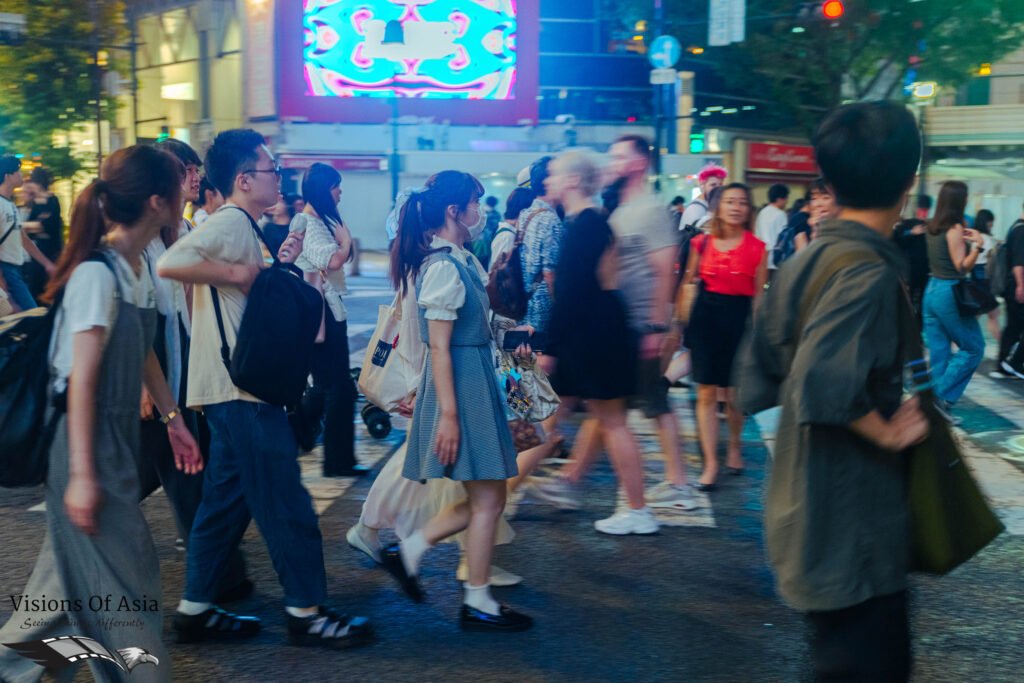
column 449, row 49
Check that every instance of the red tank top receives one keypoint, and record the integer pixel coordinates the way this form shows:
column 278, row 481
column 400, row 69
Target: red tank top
column 732, row 272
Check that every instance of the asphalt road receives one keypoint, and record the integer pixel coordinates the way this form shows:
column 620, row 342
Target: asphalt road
column 694, row 603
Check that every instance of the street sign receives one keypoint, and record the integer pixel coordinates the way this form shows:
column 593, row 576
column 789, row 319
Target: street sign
column 663, row 76
column 665, row 52
column 727, row 22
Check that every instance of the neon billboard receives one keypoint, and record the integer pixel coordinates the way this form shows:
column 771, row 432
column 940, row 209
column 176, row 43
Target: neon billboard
column 458, row 49
column 471, row 61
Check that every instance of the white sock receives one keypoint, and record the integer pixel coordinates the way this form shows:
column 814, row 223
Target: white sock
column 302, row 611
column 479, row 597
column 412, row 550
column 193, row 608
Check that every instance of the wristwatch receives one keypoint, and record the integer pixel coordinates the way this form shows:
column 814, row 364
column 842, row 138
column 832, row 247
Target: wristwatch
column 654, row 328
column 166, row 419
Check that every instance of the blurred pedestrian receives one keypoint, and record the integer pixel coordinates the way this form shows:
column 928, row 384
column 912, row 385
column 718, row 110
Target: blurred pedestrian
column 983, row 223
column 826, row 343
column 710, row 177
column 326, row 248
column 98, row 542
column 541, row 230
column 207, row 203
column 15, row 245
column 731, row 265
column 771, row 221
column 1011, row 341
column 677, row 206
column 953, row 251
column 910, row 237
column 44, row 226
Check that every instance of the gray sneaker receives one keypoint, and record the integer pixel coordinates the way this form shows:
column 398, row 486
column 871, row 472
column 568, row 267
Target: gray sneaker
column 554, row 491
column 666, row 496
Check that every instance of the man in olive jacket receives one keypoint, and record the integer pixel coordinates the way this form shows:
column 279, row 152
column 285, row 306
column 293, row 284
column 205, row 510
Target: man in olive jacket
column 827, row 342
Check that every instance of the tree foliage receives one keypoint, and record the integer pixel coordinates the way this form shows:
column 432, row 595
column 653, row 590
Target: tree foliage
column 48, row 84
column 866, row 55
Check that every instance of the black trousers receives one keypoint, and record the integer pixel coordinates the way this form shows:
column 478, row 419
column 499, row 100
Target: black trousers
column 866, row 643
column 333, row 396
column 1013, row 334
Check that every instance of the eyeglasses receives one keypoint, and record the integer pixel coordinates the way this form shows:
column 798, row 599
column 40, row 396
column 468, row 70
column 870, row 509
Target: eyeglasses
column 276, row 170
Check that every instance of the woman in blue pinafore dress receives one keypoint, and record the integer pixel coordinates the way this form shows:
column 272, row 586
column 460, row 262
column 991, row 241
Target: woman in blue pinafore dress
column 459, row 427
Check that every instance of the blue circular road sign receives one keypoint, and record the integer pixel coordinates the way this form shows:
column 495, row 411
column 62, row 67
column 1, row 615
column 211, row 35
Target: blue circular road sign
column 665, row 52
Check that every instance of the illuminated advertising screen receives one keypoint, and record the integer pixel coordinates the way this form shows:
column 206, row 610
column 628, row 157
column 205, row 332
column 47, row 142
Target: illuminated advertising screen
column 467, row 61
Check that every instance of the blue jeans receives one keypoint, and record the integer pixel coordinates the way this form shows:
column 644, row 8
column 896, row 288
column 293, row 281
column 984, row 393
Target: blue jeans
column 16, row 287
column 944, row 326
column 254, row 474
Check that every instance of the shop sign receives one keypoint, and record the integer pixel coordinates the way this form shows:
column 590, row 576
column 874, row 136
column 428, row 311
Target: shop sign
column 768, row 157
column 349, row 162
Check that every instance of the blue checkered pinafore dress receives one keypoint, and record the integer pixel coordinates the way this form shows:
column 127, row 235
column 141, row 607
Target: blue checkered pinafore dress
column 486, row 449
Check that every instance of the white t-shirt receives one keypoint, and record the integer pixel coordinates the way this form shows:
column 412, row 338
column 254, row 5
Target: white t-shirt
column 770, row 223
column 693, row 213
column 990, row 243
column 11, row 251
column 91, row 300
column 504, row 241
column 226, row 237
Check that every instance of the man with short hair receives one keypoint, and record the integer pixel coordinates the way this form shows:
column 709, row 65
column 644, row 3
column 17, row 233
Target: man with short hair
column 253, row 473
column 771, row 221
column 646, row 244
column 676, row 207
column 710, row 177
column 1011, row 342
column 829, row 331
column 15, row 244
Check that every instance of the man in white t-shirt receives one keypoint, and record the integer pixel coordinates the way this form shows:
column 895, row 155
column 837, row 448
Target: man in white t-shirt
column 772, row 220
column 15, row 244
column 253, row 472
column 709, row 178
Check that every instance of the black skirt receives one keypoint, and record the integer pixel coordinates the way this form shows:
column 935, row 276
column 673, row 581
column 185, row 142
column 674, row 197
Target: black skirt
column 598, row 357
column 716, row 328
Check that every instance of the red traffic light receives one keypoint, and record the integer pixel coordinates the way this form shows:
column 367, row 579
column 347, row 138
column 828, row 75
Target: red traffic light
column 833, row 9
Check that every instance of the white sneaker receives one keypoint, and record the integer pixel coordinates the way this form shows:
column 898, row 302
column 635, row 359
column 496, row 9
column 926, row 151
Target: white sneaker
column 628, row 522
column 1009, row 369
column 499, row 577
column 666, row 496
column 555, row 491
column 356, row 540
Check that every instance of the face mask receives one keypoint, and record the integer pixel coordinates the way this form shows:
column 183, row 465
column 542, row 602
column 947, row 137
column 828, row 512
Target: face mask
column 476, row 229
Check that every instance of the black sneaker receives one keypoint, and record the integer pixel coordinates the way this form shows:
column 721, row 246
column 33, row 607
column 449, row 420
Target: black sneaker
column 329, row 629
column 945, row 410
column 507, row 621
column 214, row 624
column 1012, row 370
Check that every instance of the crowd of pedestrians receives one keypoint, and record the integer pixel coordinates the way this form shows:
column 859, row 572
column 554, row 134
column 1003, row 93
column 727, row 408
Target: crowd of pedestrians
column 782, row 315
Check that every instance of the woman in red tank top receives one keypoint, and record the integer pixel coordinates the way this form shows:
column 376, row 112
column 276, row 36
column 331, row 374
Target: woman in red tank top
column 732, row 266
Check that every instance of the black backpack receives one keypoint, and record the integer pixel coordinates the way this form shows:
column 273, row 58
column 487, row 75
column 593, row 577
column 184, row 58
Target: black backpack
column 274, row 348
column 998, row 270
column 25, row 431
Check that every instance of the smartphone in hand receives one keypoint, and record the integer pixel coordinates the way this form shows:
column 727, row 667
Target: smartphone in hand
column 516, row 338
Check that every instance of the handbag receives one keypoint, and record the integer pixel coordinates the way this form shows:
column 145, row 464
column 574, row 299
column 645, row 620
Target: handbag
column 973, row 298
column 686, row 295
column 950, row 520
column 528, row 392
column 383, row 378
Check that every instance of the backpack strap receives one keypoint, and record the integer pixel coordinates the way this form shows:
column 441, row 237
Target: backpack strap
column 810, row 297
column 225, row 350
column 8, row 233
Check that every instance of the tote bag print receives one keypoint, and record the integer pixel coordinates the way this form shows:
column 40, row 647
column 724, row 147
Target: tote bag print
column 382, row 378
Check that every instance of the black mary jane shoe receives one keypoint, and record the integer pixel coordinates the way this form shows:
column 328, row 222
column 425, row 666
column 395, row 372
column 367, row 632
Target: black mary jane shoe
column 214, row 624
column 704, row 488
column 507, row 621
column 391, row 559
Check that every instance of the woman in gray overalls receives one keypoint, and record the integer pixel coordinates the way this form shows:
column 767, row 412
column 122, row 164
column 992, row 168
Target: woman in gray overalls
column 98, row 561
column 459, row 428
